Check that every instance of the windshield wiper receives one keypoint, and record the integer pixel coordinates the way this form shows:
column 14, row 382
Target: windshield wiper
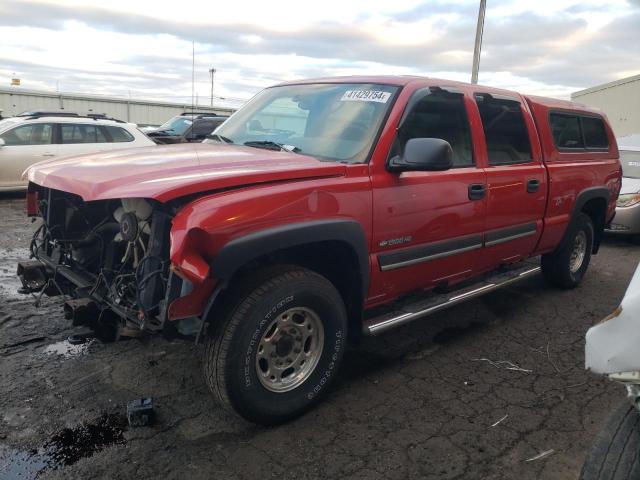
column 219, row 138
column 269, row 145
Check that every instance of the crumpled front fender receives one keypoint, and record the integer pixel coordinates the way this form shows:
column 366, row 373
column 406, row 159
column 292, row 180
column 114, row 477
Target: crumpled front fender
column 613, row 345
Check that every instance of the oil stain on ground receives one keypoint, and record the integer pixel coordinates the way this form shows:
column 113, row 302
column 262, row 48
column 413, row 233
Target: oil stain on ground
column 64, row 448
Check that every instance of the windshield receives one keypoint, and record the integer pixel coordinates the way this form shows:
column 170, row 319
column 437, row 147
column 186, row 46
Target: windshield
column 176, row 125
column 336, row 122
column 630, row 163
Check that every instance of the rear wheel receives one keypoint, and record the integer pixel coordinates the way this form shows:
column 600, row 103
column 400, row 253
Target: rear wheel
column 616, row 452
column 278, row 348
column 566, row 266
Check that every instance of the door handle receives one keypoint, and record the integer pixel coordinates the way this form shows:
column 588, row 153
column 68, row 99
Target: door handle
column 48, row 154
column 476, row 191
column 533, row 186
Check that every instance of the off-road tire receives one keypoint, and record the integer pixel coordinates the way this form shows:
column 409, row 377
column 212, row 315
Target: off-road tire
column 556, row 266
column 229, row 359
column 616, row 452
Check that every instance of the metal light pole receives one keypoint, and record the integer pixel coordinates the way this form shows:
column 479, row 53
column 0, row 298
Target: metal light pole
column 212, row 72
column 478, row 45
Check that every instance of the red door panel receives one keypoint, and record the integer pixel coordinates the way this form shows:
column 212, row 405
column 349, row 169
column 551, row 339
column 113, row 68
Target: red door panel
column 426, row 230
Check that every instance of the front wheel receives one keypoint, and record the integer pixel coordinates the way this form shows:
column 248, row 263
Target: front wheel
column 566, row 266
column 616, row 452
column 279, row 347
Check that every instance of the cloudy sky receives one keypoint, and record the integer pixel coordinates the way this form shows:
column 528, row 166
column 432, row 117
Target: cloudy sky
column 144, row 48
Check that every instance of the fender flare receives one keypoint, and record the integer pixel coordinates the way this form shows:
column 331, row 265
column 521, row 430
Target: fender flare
column 581, row 199
column 244, row 249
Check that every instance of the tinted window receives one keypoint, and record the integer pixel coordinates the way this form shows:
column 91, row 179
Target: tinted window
column 578, row 131
column 32, row 134
column 595, row 135
column 440, row 115
column 203, row 127
column 504, row 130
column 119, row 134
column 81, row 133
column 566, row 131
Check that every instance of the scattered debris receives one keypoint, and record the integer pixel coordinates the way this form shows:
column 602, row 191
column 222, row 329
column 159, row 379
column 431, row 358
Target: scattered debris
column 500, row 421
column 80, row 338
column 540, row 455
column 140, row 412
column 551, row 361
column 505, row 364
column 67, row 349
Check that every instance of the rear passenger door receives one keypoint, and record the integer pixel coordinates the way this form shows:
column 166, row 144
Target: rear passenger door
column 516, row 180
column 81, row 138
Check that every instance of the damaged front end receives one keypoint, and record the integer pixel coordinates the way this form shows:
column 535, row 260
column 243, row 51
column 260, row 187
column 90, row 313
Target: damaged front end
column 612, row 345
column 108, row 258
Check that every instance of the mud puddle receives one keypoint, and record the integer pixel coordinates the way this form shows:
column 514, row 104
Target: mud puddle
column 64, row 448
column 9, row 282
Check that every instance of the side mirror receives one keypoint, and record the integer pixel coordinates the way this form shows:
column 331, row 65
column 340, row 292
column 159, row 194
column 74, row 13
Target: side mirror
column 423, row 154
column 2, row 143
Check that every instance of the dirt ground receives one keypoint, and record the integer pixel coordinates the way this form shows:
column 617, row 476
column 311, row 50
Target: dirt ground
column 420, row 402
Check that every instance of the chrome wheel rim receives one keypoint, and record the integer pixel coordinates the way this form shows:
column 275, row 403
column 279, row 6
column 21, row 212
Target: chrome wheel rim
column 579, row 251
column 289, row 349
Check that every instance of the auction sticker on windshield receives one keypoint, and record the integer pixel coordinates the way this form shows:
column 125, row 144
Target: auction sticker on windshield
column 365, row 96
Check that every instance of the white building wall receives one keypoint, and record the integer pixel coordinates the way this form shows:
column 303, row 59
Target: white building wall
column 619, row 100
column 144, row 112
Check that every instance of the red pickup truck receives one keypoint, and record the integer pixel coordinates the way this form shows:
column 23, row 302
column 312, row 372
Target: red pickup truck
column 322, row 210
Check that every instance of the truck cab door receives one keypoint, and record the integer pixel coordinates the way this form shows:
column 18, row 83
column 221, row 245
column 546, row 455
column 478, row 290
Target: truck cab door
column 427, row 225
column 516, row 180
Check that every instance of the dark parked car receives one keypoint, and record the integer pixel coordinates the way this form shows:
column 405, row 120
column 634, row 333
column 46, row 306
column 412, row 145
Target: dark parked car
column 187, row 127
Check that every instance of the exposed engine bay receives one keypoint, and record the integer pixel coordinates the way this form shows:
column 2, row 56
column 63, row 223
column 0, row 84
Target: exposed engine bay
column 110, row 257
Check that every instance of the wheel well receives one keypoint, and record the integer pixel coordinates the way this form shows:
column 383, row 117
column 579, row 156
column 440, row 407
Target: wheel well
column 337, row 261
column 596, row 209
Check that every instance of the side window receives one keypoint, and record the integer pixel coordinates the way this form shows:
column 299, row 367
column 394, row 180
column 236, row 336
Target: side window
column 80, row 133
column 504, row 130
column 32, row 134
column 566, row 130
column 202, row 128
column 440, row 115
column 101, row 136
column 119, row 134
column 580, row 132
column 595, row 135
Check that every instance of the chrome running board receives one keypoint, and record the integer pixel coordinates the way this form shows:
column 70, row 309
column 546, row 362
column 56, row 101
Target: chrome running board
column 436, row 302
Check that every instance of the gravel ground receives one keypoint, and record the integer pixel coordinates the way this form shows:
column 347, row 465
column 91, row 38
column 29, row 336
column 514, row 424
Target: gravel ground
column 420, row 402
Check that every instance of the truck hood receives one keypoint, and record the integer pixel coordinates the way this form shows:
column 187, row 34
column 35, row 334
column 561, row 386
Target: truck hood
column 167, row 172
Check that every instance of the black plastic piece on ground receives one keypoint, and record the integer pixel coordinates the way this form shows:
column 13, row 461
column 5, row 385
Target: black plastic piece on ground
column 140, row 412
column 80, row 338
